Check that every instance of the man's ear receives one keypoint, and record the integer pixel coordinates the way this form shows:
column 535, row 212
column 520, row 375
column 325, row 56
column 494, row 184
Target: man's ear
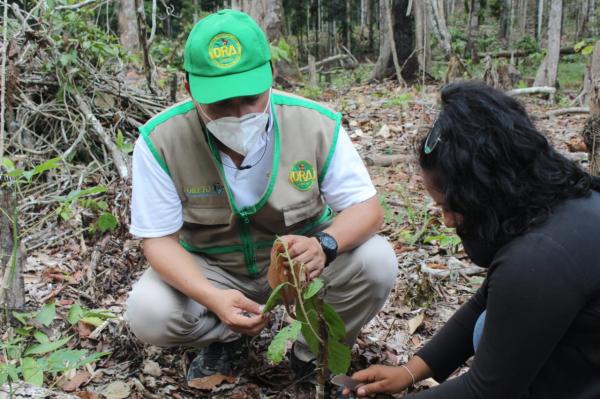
column 187, row 87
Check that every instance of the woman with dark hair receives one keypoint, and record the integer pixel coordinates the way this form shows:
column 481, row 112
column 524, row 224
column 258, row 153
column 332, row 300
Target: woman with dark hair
column 533, row 218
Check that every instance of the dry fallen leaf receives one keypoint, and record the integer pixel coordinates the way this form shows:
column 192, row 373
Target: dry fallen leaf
column 576, row 144
column 415, row 322
column 75, row 382
column 87, row 395
column 117, row 390
column 211, row 382
column 152, row 368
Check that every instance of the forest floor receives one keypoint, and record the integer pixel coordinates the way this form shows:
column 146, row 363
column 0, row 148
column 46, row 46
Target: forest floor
column 434, row 276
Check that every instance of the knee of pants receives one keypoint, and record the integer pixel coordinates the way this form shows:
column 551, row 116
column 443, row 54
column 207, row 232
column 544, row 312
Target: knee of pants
column 148, row 319
column 379, row 265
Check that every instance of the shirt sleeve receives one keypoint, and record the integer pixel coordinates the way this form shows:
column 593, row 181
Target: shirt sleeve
column 156, row 209
column 347, row 181
column 533, row 296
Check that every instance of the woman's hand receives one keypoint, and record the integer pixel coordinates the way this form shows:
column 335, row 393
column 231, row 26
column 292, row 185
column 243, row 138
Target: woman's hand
column 381, row 379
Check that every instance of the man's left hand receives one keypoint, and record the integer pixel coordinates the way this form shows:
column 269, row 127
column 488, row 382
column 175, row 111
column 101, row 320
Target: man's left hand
column 306, row 250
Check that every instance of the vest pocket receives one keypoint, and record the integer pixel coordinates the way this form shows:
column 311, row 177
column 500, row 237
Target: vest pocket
column 207, row 215
column 301, row 211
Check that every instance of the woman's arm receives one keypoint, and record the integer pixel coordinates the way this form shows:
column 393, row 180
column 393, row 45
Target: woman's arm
column 534, row 294
column 446, row 351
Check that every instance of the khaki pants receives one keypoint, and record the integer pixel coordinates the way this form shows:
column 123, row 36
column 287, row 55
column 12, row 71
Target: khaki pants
column 358, row 283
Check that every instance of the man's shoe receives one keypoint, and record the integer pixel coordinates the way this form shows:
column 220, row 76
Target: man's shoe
column 219, row 358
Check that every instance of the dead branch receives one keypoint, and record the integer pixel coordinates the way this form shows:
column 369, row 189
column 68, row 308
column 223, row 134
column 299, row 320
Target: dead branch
column 532, row 90
column 571, row 110
column 118, row 157
column 325, row 61
column 385, row 160
column 524, row 53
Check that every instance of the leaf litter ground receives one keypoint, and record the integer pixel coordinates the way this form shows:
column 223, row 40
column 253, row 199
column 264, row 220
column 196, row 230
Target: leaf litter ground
column 434, row 276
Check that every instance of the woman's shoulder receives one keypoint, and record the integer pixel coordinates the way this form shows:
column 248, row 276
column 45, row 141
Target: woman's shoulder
column 566, row 245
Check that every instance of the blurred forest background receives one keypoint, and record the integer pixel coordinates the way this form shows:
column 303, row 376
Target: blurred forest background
column 79, row 77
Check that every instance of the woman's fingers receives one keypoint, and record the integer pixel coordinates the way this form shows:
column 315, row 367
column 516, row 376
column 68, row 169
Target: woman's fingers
column 375, row 387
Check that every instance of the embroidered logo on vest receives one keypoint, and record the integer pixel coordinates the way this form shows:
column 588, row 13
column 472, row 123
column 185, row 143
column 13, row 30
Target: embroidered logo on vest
column 209, row 190
column 224, row 50
column 302, row 175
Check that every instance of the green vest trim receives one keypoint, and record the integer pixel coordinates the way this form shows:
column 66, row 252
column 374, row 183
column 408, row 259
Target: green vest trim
column 325, row 217
column 147, row 129
column 282, row 99
column 248, row 246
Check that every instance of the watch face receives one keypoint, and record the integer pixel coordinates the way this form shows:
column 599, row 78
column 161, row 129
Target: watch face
column 328, row 242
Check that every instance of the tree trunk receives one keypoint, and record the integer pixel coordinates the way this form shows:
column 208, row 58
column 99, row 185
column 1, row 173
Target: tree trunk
column 595, row 77
column 348, row 26
column 524, row 12
column 440, row 27
column 582, row 19
column 422, row 35
column 381, row 69
column 12, row 294
column 504, row 30
column 403, row 32
column 128, row 32
column 547, row 72
column 592, row 21
column 540, row 21
column 268, row 14
column 591, row 130
column 471, row 47
column 371, row 24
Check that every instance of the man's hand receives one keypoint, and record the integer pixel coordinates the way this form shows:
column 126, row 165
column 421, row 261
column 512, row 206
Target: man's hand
column 238, row 312
column 306, row 250
column 381, row 379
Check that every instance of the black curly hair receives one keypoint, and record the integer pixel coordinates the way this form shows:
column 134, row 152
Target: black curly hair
column 494, row 167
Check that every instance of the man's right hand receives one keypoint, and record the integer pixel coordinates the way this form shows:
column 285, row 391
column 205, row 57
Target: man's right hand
column 238, row 312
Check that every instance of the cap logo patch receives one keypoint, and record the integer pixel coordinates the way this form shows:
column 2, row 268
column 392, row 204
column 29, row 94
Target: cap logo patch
column 224, row 50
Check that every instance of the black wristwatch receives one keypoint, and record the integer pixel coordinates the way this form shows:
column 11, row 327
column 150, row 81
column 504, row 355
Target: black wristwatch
column 329, row 245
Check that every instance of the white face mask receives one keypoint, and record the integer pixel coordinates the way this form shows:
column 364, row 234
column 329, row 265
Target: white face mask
column 239, row 134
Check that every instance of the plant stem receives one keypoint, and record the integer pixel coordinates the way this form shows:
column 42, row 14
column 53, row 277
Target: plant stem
column 299, row 292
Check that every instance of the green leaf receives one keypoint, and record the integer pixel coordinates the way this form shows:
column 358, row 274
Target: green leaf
column 278, row 345
column 587, row 50
column 338, row 357
column 32, row 372
column 335, row 324
column 75, row 314
column 41, row 337
column 49, row 164
column 579, row 45
column 47, row 347
column 8, row 164
column 273, row 298
column 8, row 370
column 311, row 339
column 65, row 359
column 28, row 175
column 94, row 321
column 314, row 287
column 47, row 314
column 24, row 331
column 23, row 318
column 107, row 222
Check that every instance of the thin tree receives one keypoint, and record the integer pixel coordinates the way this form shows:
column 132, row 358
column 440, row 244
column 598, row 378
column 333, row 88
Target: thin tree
column 471, row 48
column 548, row 70
column 439, row 25
column 128, row 29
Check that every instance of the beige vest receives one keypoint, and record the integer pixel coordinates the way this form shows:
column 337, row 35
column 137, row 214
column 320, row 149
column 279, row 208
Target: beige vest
column 240, row 239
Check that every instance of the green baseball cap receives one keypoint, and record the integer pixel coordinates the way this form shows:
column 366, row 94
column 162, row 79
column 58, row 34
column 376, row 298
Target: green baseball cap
column 227, row 55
